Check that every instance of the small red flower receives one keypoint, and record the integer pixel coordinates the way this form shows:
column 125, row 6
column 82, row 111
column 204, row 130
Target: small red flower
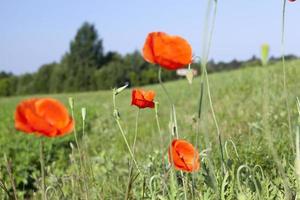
column 170, row 52
column 142, row 99
column 43, row 116
column 184, row 156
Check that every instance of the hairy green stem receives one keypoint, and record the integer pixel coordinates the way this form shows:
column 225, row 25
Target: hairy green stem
column 82, row 167
column 116, row 116
column 285, row 90
column 4, row 188
column 161, row 144
column 44, row 197
column 208, row 32
column 136, row 130
column 175, row 128
column 11, row 177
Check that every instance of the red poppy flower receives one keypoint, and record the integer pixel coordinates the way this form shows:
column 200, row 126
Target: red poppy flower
column 43, row 116
column 184, row 156
column 170, row 52
column 142, row 99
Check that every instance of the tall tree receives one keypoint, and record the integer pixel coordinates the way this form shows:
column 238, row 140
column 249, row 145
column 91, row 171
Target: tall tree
column 85, row 57
column 41, row 79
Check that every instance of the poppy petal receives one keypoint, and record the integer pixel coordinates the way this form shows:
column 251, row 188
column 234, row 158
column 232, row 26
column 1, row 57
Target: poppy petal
column 53, row 112
column 21, row 123
column 39, row 125
column 183, row 156
column 149, row 96
column 68, row 128
column 170, row 52
column 148, row 49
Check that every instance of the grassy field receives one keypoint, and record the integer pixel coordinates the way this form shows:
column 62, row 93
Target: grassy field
column 251, row 111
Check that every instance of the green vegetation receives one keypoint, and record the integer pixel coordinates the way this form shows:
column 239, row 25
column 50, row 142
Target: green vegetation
column 251, row 111
column 86, row 67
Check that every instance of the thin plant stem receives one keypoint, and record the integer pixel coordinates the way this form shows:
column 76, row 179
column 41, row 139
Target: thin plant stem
column 202, row 101
column 116, row 116
column 136, row 130
column 127, row 194
column 127, row 144
column 4, row 188
column 197, row 133
column 285, row 91
column 215, row 120
column 82, row 168
column 175, row 128
column 207, row 39
column 158, row 126
column 269, row 139
column 129, row 184
column 76, row 138
column 161, row 144
column 11, row 177
column 42, row 162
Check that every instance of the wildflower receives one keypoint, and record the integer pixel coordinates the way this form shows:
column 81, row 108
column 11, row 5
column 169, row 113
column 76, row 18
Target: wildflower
column 184, row 156
column 142, row 99
column 170, row 52
column 43, row 116
column 292, row 0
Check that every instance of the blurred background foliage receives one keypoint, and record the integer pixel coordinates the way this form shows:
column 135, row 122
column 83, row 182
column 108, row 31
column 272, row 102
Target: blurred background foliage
column 86, row 67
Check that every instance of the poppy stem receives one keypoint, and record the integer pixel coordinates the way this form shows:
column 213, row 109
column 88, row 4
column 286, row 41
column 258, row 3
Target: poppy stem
column 269, row 138
column 136, row 130
column 161, row 145
column 82, row 166
column 285, row 92
column 117, row 118
column 44, row 197
column 4, row 188
column 208, row 32
column 11, row 177
column 127, row 144
column 175, row 128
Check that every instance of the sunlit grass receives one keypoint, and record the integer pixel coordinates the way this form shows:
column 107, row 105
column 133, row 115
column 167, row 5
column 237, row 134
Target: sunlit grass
column 239, row 102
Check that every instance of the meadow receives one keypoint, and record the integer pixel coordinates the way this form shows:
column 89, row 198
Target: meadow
column 250, row 107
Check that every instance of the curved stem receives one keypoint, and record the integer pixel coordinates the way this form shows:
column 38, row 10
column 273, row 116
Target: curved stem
column 206, row 48
column 44, row 197
column 127, row 144
column 175, row 128
column 3, row 187
column 285, row 91
column 161, row 145
column 136, row 130
column 82, row 167
column 11, row 176
column 116, row 116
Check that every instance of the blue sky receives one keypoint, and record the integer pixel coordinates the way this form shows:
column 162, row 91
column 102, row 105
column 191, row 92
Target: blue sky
column 34, row 32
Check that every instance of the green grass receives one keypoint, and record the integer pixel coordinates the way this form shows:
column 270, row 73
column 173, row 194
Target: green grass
column 250, row 109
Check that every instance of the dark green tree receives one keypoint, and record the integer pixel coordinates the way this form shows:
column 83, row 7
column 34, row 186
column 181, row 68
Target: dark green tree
column 25, row 85
column 42, row 78
column 84, row 58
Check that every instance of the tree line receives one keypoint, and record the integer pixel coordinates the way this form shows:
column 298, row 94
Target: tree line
column 85, row 67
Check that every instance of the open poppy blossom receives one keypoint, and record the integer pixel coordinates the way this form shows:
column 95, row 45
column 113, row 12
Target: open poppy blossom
column 142, row 99
column 184, row 156
column 170, row 52
column 43, row 116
